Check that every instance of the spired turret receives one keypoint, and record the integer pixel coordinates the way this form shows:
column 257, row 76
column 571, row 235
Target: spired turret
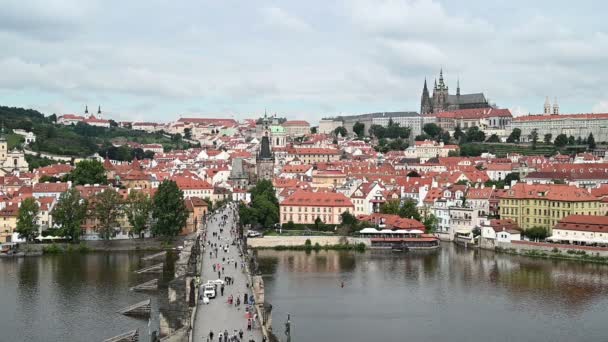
column 547, row 106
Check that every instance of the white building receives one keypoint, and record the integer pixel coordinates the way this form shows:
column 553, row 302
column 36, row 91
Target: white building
column 576, row 125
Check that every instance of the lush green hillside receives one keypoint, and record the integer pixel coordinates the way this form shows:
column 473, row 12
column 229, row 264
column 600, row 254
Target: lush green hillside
column 80, row 140
column 502, row 149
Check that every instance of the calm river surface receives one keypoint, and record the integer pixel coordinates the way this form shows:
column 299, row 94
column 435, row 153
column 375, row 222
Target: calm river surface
column 72, row 297
column 449, row 295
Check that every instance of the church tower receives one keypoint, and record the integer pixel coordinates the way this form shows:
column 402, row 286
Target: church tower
column 99, row 112
column 440, row 102
column 425, row 101
column 555, row 107
column 265, row 160
column 547, row 106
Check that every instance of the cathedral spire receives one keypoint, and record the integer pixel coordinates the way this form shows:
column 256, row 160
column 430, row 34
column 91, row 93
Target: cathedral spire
column 86, row 109
column 547, row 106
column 441, row 83
column 458, row 86
column 99, row 110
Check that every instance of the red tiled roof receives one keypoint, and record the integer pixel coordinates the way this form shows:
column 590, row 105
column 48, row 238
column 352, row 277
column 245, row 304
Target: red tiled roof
column 221, row 122
column 312, row 150
column 562, row 117
column 394, row 221
column 586, row 223
column 50, row 187
column 296, row 123
column 317, row 199
column 553, row 192
column 475, row 113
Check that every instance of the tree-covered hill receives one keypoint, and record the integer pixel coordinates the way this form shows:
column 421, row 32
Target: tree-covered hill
column 80, row 140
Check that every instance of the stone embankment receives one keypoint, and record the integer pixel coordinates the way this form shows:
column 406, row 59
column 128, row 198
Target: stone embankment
column 293, row 241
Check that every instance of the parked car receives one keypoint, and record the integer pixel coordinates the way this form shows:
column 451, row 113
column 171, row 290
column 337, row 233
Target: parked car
column 254, row 234
column 215, row 282
column 209, row 291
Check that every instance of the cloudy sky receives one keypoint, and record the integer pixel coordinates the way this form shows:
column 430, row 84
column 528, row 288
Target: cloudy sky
column 160, row 59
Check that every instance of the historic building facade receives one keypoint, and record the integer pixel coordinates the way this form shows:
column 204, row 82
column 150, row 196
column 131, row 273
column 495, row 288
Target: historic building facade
column 441, row 100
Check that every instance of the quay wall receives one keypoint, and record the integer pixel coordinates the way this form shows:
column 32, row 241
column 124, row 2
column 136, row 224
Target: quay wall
column 291, row 241
column 523, row 246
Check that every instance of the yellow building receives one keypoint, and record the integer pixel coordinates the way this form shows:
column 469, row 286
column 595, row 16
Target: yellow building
column 312, row 155
column 8, row 222
column 328, row 178
column 303, row 207
column 544, row 205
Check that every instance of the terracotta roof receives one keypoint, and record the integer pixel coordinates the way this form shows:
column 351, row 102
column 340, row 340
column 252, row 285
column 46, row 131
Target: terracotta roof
column 587, row 223
column 51, row 187
column 296, row 168
column 296, row 123
column 394, row 221
column 220, row 122
column 317, row 199
column 313, row 150
column 562, row 117
column 475, row 113
column 553, row 192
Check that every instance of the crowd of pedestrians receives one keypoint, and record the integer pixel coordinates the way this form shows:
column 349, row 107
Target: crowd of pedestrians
column 219, row 245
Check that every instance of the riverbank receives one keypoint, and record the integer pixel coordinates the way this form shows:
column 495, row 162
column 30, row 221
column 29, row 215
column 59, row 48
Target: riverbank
column 287, row 242
column 549, row 250
column 127, row 245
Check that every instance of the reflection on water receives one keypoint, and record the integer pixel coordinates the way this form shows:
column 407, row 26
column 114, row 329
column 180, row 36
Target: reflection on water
column 451, row 294
column 72, row 297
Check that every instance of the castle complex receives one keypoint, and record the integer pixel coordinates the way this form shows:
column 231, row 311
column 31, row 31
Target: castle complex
column 441, row 100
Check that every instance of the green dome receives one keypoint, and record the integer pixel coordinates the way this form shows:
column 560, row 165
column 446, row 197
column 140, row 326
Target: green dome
column 277, row 129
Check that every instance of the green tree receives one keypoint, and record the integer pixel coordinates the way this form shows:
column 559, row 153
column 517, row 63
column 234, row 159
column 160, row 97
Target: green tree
column 409, row 210
column 313, row 130
column 474, row 134
column 536, row 233
column 340, row 131
column 88, row 172
column 547, row 138
column 534, row 138
column 445, row 137
column 188, row 133
column 107, row 209
column 591, row 141
column 391, row 207
column 264, row 209
column 138, row 210
column 169, row 210
column 359, row 129
column 348, row 218
column 319, row 225
column 430, row 223
column 513, row 176
column 432, row 129
column 561, row 140
column 571, row 140
column 69, row 213
column 515, row 136
column 493, row 139
column 26, row 219
column 458, row 134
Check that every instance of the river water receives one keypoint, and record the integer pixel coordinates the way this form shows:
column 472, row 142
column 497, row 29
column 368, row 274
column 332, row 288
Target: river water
column 74, row 297
column 452, row 294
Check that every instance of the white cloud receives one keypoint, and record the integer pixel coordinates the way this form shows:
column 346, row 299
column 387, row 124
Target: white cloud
column 601, row 107
column 280, row 19
column 414, row 18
